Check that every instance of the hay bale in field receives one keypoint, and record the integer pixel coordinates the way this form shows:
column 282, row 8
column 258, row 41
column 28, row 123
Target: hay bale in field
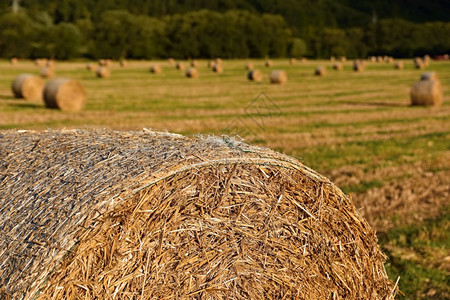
column 304, row 59
column 14, row 61
column 398, row 65
column 320, row 71
column 64, row 94
column 47, row 72
column 218, row 61
column 50, row 63
column 255, row 75
column 40, row 62
column 418, row 63
column 90, row 67
column 379, row 59
column 194, row 64
column 338, row 66
column 171, row 61
column 372, row 58
column 192, row 72
column 426, row 60
column 28, row 87
column 123, row 63
column 293, row 61
column 180, row 66
column 155, row 69
column 332, row 59
column 358, row 66
column 427, row 91
column 217, row 68
column 104, row 62
column 103, row 72
column 249, row 66
column 278, row 77
column 268, row 63
column 210, row 64
column 343, row 59
column 109, row 216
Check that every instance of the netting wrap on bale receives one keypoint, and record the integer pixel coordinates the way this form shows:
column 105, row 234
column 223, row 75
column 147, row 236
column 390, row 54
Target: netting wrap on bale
column 103, row 214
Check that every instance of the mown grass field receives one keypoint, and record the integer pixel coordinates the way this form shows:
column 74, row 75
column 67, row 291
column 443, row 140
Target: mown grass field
column 356, row 128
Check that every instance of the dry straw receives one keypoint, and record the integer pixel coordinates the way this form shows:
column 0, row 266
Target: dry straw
column 427, row 91
column 278, row 77
column 398, row 65
column 338, row 66
column 192, row 72
column 145, row 215
column 103, row 72
column 40, row 62
column 255, row 75
column 64, row 94
column 155, row 69
column 28, row 87
column 320, row 71
column 343, row 59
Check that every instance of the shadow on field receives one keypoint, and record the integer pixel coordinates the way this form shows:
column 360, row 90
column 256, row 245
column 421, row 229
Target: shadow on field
column 6, row 97
column 387, row 104
column 25, row 105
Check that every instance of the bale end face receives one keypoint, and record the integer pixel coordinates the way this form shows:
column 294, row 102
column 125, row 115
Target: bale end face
column 28, row 87
column 398, row 65
column 64, row 94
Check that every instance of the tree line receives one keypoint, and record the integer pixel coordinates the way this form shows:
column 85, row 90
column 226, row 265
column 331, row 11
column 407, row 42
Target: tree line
column 206, row 34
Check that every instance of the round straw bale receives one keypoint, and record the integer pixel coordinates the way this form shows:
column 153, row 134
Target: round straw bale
column 338, row 66
column 180, row 66
column 249, row 66
column 293, row 61
column 217, row 68
column 90, row 67
column 332, row 59
column 426, row 92
column 398, row 65
column 123, row 63
column 255, row 75
column 343, row 59
column 155, row 68
column 218, row 61
column 303, row 59
column 372, row 58
column 171, row 61
column 50, row 63
column 14, row 61
column 103, row 72
column 28, row 87
column 47, row 72
column 40, row 62
column 379, row 58
column 429, row 76
column 278, row 76
column 358, row 66
column 268, row 63
column 210, row 64
column 426, row 59
column 194, row 63
column 64, row 94
column 320, row 71
column 192, row 72
column 111, row 217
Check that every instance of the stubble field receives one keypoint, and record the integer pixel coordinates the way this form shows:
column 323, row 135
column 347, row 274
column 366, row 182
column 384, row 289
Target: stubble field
column 357, row 128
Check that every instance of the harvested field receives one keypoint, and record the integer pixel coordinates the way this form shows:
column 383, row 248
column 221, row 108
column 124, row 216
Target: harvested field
column 346, row 120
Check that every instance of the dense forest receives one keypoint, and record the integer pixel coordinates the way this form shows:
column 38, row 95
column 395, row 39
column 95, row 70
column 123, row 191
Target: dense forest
column 68, row 29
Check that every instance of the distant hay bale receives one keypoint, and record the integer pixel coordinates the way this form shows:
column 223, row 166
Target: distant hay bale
column 379, row 59
column 427, row 91
column 332, row 59
column 28, row 87
column 320, row 71
column 47, row 72
column 50, row 63
column 104, row 62
column 338, row 66
column 292, row 61
column 255, row 75
column 103, row 72
column 211, row 64
column 194, row 63
column 398, row 65
column 192, row 72
column 217, row 68
column 268, row 63
column 123, row 63
column 40, row 62
column 372, row 58
column 358, row 66
column 418, row 63
column 14, row 61
column 180, row 66
column 64, row 94
column 90, row 67
column 218, row 61
column 389, row 59
column 278, row 77
column 104, row 214
column 155, row 69
column 343, row 59
column 249, row 66
column 429, row 76
column 304, row 59
column 171, row 61
column 426, row 60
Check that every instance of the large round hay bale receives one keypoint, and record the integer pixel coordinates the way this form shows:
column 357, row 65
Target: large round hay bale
column 192, row 72
column 320, row 71
column 104, row 62
column 427, row 91
column 64, row 94
column 103, row 215
column 398, row 65
column 338, row 66
column 249, row 66
column 268, row 63
column 217, row 68
column 14, row 61
column 278, row 77
column 358, row 66
column 180, row 66
column 47, row 72
column 28, row 87
column 155, row 68
column 103, row 72
column 255, row 75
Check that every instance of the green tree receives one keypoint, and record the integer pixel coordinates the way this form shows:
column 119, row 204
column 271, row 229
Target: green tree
column 17, row 33
column 297, row 47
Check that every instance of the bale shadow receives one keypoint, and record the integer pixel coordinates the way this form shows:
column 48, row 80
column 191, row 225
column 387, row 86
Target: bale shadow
column 384, row 104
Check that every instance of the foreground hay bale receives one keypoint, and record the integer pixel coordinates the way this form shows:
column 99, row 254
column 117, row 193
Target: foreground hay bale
column 278, row 77
column 103, row 72
column 220, row 220
column 155, row 69
column 192, row 72
column 28, row 87
column 427, row 91
column 255, row 75
column 64, row 94
column 320, row 71
column 47, row 72
column 338, row 66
